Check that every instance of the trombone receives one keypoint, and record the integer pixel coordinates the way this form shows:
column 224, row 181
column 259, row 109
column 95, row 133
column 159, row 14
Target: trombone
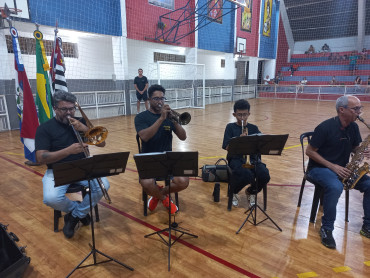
column 94, row 136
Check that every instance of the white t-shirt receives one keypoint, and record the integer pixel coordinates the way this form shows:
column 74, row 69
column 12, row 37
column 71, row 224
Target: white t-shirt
column 304, row 82
column 267, row 80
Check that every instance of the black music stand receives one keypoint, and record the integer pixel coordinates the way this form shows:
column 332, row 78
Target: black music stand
column 167, row 165
column 88, row 169
column 257, row 145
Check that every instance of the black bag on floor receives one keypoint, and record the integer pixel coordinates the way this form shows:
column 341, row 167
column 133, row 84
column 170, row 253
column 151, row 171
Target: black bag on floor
column 13, row 261
column 216, row 173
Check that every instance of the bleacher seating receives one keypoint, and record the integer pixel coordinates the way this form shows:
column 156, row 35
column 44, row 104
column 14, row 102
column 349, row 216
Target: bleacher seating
column 319, row 70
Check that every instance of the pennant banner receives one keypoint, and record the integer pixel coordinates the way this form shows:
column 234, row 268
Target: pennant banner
column 43, row 94
column 26, row 108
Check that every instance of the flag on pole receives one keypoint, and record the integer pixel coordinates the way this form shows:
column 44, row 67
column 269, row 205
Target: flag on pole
column 57, row 66
column 43, row 94
column 26, row 108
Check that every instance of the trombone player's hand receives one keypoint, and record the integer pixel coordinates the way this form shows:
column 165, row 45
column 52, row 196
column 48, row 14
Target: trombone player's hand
column 78, row 125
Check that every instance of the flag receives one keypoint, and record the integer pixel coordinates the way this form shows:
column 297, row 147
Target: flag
column 43, row 94
column 26, row 108
column 57, row 66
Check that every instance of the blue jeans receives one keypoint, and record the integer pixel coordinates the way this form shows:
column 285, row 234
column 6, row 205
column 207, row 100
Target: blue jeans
column 55, row 197
column 333, row 188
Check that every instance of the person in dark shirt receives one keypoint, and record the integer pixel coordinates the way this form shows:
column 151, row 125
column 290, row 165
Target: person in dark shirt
column 56, row 142
column 329, row 151
column 155, row 127
column 141, row 85
column 242, row 176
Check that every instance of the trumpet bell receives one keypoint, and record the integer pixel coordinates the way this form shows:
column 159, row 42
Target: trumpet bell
column 96, row 135
column 184, row 118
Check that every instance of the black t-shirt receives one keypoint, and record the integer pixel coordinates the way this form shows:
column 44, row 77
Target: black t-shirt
column 141, row 82
column 234, row 130
column 53, row 136
column 162, row 140
column 334, row 143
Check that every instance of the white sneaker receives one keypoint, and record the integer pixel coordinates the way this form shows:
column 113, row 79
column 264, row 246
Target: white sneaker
column 235, row 200
column 251, row 198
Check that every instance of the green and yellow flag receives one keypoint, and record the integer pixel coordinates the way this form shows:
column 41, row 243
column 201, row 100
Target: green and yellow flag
column 43, row 94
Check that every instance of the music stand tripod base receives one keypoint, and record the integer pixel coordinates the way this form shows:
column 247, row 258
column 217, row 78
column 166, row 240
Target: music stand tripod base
column 257, row 145
column 88, row 169
column 167, row 165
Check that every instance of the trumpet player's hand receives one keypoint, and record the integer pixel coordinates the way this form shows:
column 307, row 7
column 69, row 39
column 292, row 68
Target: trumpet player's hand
column 165, row 111
column 78, row 125
column 77, row 148
column 342, row 172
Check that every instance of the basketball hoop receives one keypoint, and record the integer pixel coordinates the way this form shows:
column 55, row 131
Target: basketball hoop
column 5, row 13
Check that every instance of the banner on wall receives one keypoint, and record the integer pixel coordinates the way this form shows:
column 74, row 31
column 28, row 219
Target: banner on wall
column 215, row 10
column 246, row 17
column 267, row 18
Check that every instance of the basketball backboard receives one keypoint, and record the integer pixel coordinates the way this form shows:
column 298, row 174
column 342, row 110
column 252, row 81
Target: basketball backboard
column 19, row 5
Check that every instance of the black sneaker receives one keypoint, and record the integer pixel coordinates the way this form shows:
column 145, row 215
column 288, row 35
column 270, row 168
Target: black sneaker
column 365, row 231
column 86, row 220
column 70, row 223
column 327, row 238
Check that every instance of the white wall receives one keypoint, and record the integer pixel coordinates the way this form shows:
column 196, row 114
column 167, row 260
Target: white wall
column 336, row 45
column 212, row 60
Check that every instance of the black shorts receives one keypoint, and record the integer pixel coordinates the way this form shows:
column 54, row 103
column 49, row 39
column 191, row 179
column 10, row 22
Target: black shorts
column 143, row 96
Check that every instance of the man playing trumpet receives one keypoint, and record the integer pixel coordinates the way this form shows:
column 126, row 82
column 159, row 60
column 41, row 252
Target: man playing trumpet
column 155, row 131
column 56, row 142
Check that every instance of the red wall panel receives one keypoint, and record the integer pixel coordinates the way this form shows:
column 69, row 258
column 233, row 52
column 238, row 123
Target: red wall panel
column 283, row 47
column 142, row 20
column 252, row 37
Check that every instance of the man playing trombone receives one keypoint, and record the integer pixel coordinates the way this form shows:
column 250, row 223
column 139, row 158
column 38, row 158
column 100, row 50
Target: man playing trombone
column 155, row 127
column 56, row 142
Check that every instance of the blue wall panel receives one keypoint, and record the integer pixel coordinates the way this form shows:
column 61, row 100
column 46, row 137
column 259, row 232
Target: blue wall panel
column 97, row 16
column 216, row 36
column 268, row 44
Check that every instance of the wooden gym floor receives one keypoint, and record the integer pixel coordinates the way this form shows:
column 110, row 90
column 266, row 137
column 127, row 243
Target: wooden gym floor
column 257, row 251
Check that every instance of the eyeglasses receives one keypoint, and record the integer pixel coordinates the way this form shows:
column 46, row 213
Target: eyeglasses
column 158, row 98
column 242, row 114
column 65, row 109
column 356, row 108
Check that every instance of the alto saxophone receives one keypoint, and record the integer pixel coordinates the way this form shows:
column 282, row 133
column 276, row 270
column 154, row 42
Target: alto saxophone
column 357, row 171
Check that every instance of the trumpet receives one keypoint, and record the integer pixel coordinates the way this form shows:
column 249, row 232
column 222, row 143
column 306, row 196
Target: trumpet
column 247, row 163
column 96, row 136
column 182, row 119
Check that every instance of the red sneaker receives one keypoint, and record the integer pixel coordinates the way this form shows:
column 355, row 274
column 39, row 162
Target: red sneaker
column 152, row 203
column 167, row 203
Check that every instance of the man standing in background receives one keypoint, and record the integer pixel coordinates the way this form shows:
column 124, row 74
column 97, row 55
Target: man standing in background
column 141, row 85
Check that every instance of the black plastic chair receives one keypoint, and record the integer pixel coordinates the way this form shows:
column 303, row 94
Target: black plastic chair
column 144, row 194
column 318, row 193
column 73, row 188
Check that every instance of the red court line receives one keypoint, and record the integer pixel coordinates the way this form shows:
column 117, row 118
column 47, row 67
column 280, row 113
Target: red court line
column 189, row 245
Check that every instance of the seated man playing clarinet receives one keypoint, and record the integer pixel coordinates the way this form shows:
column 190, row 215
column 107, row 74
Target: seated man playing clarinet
column 329, row 151
column 243, row 171
column 155, row 128
column 56, row 142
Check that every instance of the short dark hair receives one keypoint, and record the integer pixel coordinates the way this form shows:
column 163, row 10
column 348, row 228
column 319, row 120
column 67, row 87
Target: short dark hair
column 63, row 96
column 139, row 69
column 242, row 104
column 154, row 88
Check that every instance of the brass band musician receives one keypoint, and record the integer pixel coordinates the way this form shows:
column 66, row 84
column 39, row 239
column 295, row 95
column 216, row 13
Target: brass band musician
column 55, row 142
column 242, row 172
column 329, row 151
column 155, row 130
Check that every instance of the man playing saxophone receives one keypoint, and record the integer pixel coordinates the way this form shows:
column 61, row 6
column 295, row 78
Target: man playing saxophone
column 56, row 142
column 155, row 130
column 329, row 151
